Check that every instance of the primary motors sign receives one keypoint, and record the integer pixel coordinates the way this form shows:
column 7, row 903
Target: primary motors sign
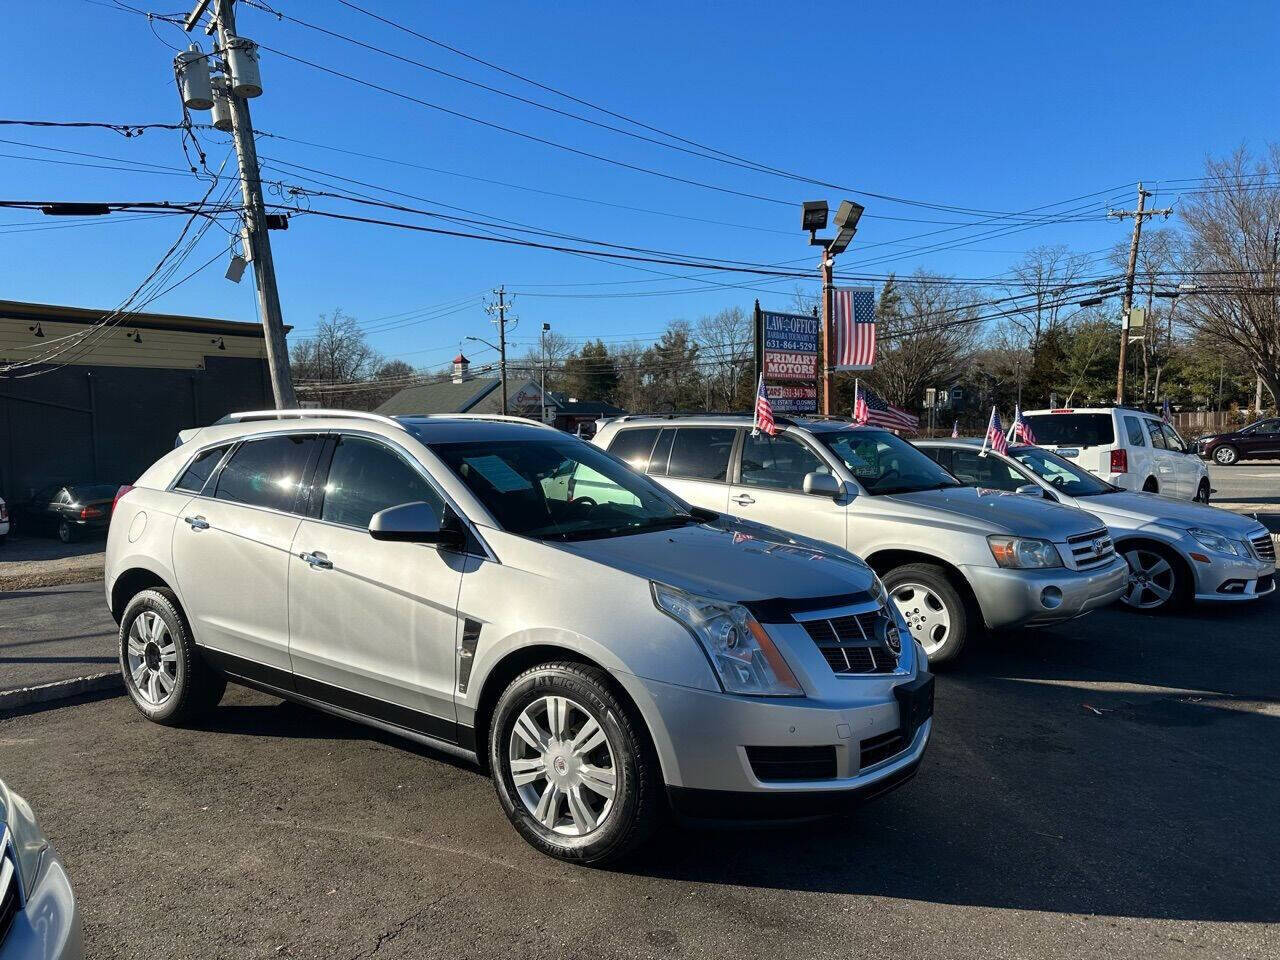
column 790, row 346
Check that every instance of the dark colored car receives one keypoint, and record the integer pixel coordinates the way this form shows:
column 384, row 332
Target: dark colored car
column 1257, row 441
column 67, row 511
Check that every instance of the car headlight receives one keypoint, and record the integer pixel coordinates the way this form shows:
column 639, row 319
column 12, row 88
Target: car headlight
column 740, row 651
column 1218, row 543
column 1024, row 553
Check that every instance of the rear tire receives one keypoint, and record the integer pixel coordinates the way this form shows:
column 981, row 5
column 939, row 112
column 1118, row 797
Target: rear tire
column 164, row 674
column 590, row 789
column 1151, row 486
column 66, row 533
column 1226, row 455
column 935, row 611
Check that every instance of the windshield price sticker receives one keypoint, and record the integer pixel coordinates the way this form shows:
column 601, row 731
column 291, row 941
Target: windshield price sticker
column 499, row 473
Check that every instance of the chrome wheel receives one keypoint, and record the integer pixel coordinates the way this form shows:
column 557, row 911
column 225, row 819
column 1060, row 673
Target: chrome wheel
column 152, row 658
column 562, row 766
column 926, row 615
column 1225, row 456
column 1152, row 580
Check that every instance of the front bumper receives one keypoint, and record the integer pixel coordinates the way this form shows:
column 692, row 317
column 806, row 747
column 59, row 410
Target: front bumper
column 48, row 926
column 1017, row 598
column 702, row 738
column 1232, row 578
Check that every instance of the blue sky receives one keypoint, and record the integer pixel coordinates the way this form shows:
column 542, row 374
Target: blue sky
column 992, row 106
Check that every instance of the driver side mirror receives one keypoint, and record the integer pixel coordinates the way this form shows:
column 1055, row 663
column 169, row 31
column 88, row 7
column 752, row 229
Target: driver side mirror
column 1032, row 490
column 822, row 485
column 416, row 522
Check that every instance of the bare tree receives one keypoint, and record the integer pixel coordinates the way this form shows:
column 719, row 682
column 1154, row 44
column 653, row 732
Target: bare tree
column 335, row 355
column 1233, row 226
column 1042, row 280
column 726, row 345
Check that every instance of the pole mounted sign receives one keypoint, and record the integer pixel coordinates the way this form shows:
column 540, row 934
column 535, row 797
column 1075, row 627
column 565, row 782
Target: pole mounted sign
column 793, row 397
column 787, row 350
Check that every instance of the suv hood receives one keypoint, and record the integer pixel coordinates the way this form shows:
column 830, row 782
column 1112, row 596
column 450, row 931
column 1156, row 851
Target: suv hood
column 996, row 511
column 733, row 560
column 1137, row 509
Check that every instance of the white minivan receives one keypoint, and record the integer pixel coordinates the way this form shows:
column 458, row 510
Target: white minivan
column 1130, row 448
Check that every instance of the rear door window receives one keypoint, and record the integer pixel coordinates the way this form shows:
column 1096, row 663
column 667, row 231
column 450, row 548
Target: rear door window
column 701, row 453
column 1134, row 429
column 633, row 447
column 267, row 472
column 1073, row 429
column 194, row 477
column 661, row 455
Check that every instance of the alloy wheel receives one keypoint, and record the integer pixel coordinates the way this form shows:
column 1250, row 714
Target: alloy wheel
column 926, row 615
column 1225, row 456
column 1152, row 580
column 562, row 766
column 152, row 658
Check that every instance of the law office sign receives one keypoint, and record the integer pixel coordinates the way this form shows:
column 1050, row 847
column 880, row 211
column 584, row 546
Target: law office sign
column 789, row 344
column 787, row 398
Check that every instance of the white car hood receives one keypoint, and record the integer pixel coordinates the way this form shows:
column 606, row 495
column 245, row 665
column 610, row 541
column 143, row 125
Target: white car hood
column 1136, row 510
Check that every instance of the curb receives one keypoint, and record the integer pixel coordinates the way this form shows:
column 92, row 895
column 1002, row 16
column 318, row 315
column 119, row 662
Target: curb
column 60, row 690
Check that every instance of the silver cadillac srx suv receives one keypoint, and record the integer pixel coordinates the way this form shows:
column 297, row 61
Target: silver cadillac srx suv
column 504, row 591
column 953, row 558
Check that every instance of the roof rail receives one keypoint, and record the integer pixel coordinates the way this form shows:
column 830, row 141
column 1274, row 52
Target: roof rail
column 499, row 417
column 246, row 416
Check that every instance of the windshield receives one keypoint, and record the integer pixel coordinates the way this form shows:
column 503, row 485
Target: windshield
column 560, row 489
column 1063, row 474
column 883, row 463
column 1073, row 429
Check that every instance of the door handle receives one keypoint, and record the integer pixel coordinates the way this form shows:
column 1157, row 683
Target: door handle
column 318, row 560
column 743, row 499
column 197, row 523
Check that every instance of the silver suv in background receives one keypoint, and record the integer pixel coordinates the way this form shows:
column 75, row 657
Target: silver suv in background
column 1176, row 551
column 953, row 558
column 602, row 653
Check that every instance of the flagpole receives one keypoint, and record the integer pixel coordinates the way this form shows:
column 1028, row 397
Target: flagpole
column 987, row 436
column 855, row 398
column 755, row 408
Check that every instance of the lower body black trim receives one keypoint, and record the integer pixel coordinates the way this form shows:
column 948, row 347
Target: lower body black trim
column 729, row 805
column 283, row 683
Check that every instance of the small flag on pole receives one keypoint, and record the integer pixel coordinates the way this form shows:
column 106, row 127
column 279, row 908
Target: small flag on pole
column 995, row 436
column 853, row 318
column 859, row 404
column 764, row 412
column 1166, row 412
column 871, row 408
column 1021, row 431
column 955, row 430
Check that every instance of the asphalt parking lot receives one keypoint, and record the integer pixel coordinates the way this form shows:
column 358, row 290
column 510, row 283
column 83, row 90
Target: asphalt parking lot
column 1108, row 788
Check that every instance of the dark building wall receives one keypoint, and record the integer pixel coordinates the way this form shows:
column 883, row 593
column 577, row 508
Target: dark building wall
column 110, row 423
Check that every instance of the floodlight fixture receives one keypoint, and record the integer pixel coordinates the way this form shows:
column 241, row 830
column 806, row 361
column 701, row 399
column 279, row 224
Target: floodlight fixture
column 847, row 216
column 815, row 215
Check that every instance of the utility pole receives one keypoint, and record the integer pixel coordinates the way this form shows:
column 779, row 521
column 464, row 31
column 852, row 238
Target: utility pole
column 542, row 394
column 255, row 212
column 1138, row 216
column 500, row 308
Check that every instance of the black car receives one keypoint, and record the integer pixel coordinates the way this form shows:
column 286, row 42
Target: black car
column 1257, row 441
column 66, row 510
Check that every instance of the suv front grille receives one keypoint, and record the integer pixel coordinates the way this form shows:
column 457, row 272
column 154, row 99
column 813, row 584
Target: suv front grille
column 1092, row 549
column 10, row 900
column 1264, row 547
column 778, row 764
column 850, row 645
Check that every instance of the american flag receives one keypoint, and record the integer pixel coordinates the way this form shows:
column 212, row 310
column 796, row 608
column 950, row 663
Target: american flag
column 853, row 318
column 1022, row 431
column 955, row 430
column 871, row 408
column 1166, row 412
column 995, row 435
column 764, row 412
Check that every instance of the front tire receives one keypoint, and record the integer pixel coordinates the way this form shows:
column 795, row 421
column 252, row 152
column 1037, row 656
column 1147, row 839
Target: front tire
column 574, row 772
column 1226, row 455
column 934, row 610
column 1157, row 583
column 164, row 674
column 1203, row 492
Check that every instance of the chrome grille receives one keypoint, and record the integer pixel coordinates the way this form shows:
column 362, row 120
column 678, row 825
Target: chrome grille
column 850, row 645
column 1264, row 547
column 1089, row 550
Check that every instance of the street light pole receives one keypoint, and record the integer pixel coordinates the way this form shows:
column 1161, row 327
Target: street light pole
column 825, row 268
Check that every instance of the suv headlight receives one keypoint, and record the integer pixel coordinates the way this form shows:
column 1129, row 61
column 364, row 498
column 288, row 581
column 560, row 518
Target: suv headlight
column 1218, row 543
column 1024, row 553
column 740, row 651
